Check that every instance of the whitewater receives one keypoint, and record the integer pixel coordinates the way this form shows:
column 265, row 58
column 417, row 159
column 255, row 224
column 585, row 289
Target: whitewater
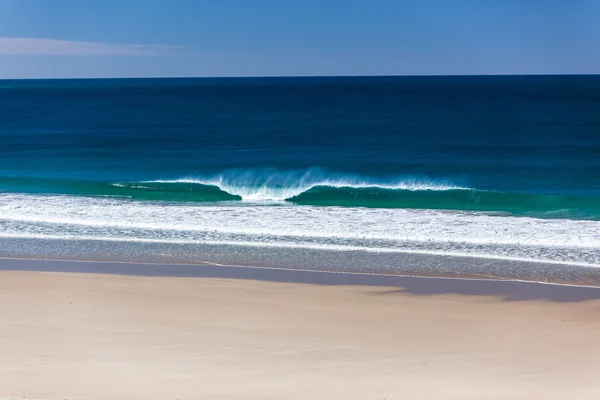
column 449, row 233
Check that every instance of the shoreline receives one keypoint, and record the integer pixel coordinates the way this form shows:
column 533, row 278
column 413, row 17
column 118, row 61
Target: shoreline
column 509, row 289
column 329, row 261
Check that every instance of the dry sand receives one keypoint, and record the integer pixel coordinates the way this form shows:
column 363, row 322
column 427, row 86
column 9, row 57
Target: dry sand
column 89, row 336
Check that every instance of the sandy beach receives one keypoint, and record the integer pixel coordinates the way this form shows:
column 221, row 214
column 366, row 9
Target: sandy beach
column 95, row 336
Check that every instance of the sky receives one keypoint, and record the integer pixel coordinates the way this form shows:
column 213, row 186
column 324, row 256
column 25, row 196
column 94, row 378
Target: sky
column 164, row 38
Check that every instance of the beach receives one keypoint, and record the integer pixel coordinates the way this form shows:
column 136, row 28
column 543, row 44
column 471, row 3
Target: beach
column 254, row 334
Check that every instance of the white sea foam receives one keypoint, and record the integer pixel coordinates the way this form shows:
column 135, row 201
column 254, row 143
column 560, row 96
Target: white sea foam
column 274, row 185
column 341, row 229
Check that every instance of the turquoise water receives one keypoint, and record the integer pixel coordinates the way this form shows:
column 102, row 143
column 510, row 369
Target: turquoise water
column 408, row 193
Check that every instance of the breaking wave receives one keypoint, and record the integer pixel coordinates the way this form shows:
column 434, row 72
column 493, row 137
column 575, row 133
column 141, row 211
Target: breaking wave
column 318, row 188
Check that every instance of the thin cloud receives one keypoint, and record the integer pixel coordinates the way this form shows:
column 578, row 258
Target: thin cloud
column 12, row 46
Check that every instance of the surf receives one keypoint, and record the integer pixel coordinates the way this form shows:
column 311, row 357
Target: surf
column 274, row 185
column 315, row 187
column 335, row 228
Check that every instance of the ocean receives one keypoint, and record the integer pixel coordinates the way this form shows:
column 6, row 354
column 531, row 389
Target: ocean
column 481, row 175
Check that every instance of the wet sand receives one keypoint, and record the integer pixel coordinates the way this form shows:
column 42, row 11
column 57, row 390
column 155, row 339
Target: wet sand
column 235, row 333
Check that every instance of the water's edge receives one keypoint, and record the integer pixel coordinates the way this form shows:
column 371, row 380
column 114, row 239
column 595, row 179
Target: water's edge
column 296, row 259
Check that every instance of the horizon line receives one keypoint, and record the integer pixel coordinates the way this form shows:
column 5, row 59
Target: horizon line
column 299, row 76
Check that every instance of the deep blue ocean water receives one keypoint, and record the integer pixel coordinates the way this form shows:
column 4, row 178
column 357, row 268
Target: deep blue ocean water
column 490, row 166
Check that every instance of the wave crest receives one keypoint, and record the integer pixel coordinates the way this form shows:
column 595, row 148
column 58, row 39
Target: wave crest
column 273, row 185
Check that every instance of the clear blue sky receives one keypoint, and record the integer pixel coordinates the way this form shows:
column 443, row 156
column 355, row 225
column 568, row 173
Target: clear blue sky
column 117, row 38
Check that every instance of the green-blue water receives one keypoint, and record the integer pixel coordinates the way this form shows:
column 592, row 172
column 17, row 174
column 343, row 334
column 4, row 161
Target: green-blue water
column 342, row 193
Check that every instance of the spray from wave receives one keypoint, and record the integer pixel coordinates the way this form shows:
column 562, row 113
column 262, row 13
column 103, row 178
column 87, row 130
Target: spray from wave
column 275, row 185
